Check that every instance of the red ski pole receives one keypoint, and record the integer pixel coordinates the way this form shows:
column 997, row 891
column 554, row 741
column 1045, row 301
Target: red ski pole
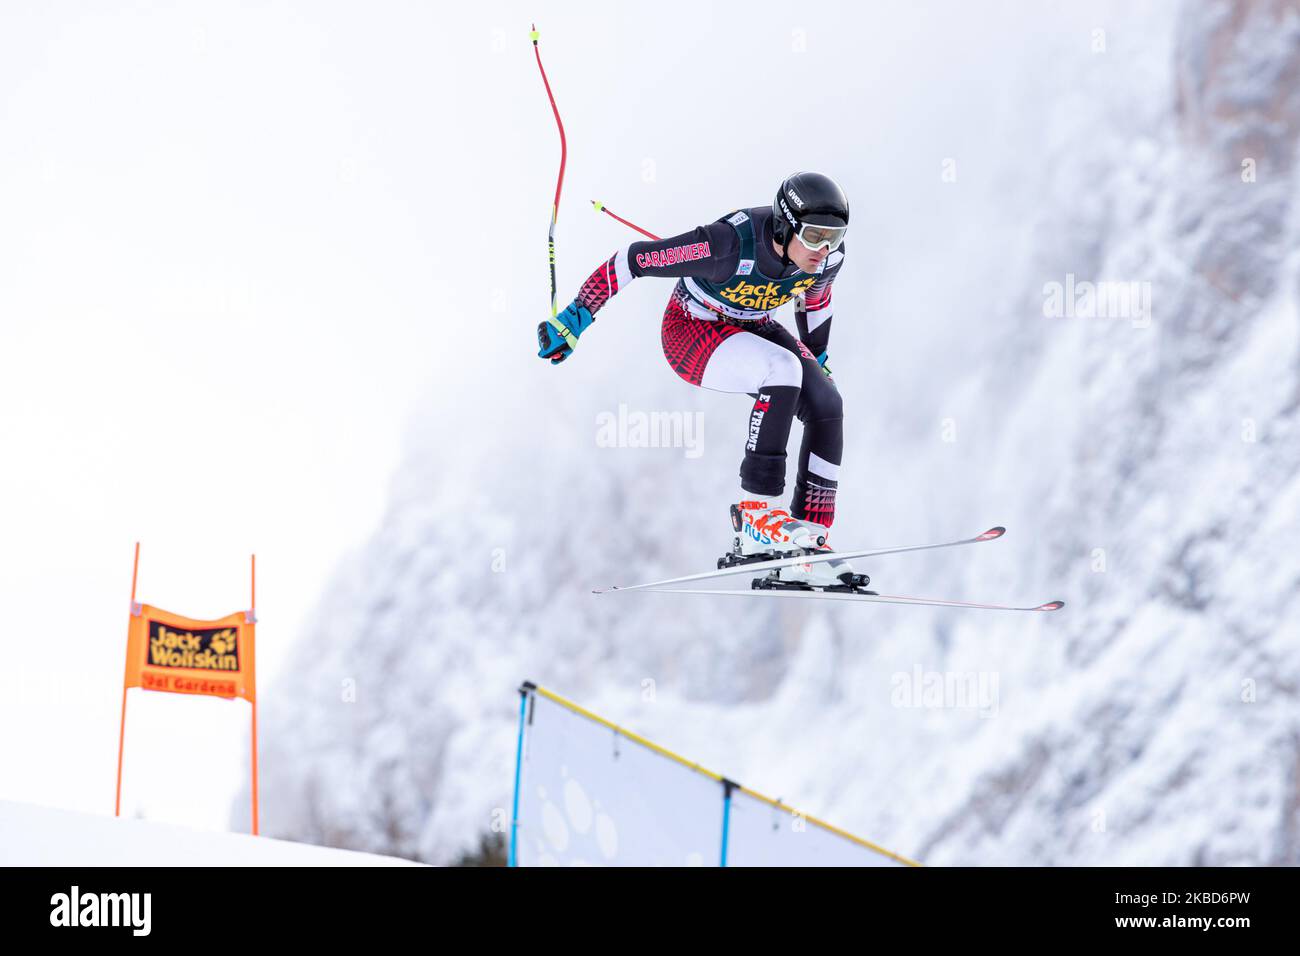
column 601, row 207
column 559, row 185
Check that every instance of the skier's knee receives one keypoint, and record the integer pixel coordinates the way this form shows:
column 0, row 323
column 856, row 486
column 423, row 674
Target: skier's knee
column 825, row 403
column 820, row 402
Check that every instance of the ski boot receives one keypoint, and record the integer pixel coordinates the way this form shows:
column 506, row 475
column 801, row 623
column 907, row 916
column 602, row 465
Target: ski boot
column 763, row 533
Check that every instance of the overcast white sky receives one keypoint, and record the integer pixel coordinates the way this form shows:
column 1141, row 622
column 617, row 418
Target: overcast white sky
column 235, row 268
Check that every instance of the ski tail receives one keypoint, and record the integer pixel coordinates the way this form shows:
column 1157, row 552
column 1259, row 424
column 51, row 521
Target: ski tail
column 865, row 598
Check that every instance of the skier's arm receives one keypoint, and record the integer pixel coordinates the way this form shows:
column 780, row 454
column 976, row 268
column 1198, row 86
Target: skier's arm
column 814, row 319
column 707, row 252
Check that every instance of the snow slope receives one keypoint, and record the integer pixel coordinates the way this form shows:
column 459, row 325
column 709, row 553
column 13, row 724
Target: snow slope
column 43, row 836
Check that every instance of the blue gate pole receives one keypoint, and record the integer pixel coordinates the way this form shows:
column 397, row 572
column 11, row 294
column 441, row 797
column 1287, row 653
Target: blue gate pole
column 519, row 754
column 727, row 787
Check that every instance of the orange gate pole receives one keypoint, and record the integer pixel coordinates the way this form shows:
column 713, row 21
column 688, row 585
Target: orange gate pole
column 253, row 608
column 121, row 733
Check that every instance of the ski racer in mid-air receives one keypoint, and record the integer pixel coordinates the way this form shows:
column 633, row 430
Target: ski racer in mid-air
column 719, row 333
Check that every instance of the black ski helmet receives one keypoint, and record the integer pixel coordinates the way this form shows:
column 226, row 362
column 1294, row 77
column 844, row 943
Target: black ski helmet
column 807, row 198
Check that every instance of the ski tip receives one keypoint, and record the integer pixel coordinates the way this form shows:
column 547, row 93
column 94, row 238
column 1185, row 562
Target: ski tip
column 992, row 533
column 603, row 590
column 1050, row 606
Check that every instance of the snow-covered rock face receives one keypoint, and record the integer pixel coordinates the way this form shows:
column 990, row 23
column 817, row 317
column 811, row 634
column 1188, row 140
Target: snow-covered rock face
column 1148, row 466
column 1162, row 728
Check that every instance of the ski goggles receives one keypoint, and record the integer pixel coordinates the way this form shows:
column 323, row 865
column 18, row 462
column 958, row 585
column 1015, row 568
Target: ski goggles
column 816, row 237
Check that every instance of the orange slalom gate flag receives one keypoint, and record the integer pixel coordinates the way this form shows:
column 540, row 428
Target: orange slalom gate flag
column 180, row 655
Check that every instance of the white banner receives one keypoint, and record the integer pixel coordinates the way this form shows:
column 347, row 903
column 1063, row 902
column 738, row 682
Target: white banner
column 590, row 796
column 593, row 794
column 761, row 834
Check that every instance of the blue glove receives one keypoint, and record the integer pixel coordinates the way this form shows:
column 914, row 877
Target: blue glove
column 557, row 337
column 826, row 369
